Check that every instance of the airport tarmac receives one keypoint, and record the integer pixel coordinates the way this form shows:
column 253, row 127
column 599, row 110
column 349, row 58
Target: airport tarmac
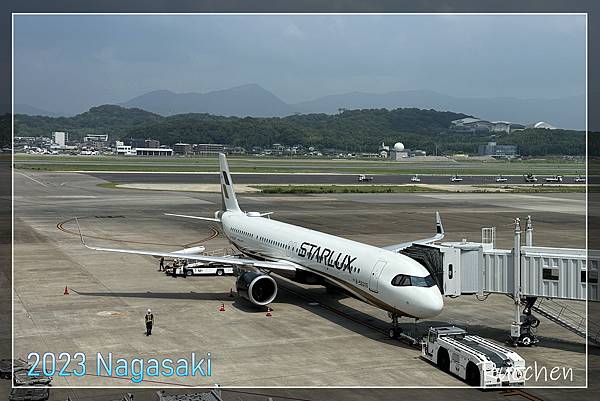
column 313, row 338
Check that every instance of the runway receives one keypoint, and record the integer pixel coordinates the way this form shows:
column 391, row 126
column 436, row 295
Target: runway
column 313, row 178
column 305, row 343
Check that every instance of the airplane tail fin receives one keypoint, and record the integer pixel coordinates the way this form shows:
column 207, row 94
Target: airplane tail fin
column 227, row 193
column 439, row 228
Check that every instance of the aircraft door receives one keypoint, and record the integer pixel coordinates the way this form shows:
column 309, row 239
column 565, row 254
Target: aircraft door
column 375, row 274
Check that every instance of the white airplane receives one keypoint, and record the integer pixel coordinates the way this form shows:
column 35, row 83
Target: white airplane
column 379, row 276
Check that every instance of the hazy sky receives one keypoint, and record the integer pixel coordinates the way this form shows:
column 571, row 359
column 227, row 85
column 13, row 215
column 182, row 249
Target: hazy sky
column 70, row 63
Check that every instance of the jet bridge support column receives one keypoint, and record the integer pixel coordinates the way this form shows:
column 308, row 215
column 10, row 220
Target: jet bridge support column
column 529, row 232
column 515, row 330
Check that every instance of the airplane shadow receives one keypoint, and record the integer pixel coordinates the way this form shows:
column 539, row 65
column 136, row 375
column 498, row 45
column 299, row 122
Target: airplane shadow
column 192, row 295
column 349, row 318
column 238, row 302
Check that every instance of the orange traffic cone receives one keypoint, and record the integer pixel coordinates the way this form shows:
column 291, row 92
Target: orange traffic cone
column 222, row 308
column 269, row 310
column 66, row 291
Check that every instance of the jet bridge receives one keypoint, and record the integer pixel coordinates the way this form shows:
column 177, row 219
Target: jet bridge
column 526, row 273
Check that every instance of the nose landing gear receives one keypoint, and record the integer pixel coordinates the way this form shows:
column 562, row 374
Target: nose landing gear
column 395, row 330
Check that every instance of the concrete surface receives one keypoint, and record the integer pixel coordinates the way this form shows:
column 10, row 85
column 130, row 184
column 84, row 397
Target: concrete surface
column 302, row 344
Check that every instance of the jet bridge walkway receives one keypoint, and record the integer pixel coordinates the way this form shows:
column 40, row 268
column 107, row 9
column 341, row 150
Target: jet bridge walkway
column 538, row 278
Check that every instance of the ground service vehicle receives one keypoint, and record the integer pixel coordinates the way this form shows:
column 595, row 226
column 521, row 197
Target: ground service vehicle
column 415, row 178
column 530, row 178
column 365, row 178
column 554, row 178
column 478, row 361
column 501, row 179
column 456, row 178
column 198, row 269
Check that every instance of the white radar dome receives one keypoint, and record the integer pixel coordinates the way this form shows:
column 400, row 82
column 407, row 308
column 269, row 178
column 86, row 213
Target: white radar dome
column 399, row 147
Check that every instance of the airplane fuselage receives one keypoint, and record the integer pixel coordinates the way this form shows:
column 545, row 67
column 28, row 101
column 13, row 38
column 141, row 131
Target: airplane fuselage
column 369, row 273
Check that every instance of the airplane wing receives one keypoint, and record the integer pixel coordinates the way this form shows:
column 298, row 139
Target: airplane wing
column 437, row 237
column 194, row 217
column 245, row 263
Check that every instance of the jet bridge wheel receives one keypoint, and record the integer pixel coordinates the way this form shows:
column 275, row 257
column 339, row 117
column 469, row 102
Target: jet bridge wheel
column 526, row 340
column 535, row 322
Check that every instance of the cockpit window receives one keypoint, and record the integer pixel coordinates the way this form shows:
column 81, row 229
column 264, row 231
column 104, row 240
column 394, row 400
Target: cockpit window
column 402, row 280
column 422, row 281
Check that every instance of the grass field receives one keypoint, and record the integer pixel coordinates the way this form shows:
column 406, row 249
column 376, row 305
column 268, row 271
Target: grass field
column 298, row 189
column 324, row 189
column 331, row 189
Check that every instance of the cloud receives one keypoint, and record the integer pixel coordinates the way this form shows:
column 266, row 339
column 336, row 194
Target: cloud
column 79, row 61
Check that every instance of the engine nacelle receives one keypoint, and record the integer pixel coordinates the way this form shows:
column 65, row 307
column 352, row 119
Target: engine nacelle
column 258, row 288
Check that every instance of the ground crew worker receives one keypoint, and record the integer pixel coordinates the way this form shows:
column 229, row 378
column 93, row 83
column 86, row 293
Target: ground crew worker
column 161, row 265
column 149, row 319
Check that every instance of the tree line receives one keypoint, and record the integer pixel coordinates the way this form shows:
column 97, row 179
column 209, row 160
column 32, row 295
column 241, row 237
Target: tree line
column 351, row 130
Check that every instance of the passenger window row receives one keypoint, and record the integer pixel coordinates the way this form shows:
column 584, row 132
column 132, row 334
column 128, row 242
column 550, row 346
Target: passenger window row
column 242, row 232
column 276, row 243
column 264, row 239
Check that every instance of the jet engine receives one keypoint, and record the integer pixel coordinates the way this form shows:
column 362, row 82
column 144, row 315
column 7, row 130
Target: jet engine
column 258, row 288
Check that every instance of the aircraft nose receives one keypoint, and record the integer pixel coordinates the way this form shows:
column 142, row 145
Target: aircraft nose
column 434, row 304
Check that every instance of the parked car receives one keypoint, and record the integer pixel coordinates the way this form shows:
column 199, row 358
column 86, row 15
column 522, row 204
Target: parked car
column 22, row 378
column 29, row 394
column 6, row 366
